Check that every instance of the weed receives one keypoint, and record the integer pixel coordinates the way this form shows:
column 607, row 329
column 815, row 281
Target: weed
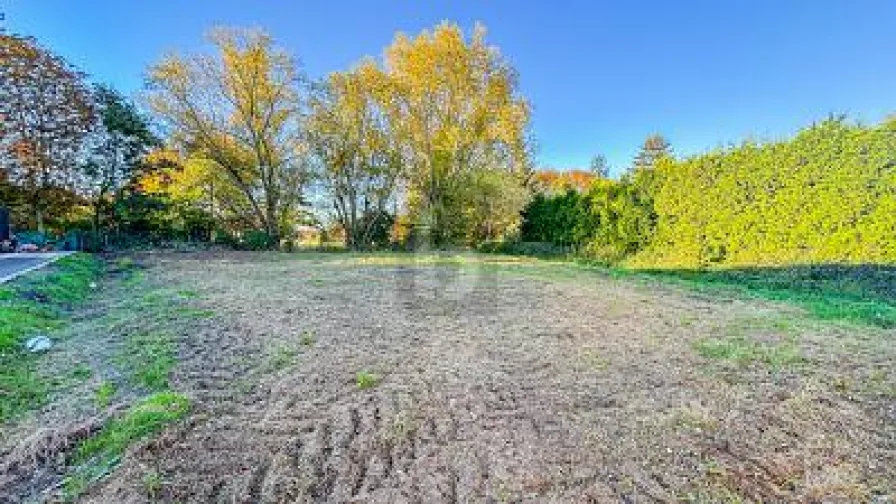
column 307, row 338
column 713, row 493
column 366, row 380
column 403, row 427
column 104, row 394
column 81, row 372
column 281, row 357
column 152, row 484
column 693, row 419
column 878, row 383
column 594, row 360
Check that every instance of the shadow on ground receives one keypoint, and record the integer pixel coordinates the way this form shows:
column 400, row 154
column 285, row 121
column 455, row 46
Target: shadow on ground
column 863, row 293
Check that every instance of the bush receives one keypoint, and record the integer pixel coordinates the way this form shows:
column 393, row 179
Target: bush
column 258, row 240
column 610, row 221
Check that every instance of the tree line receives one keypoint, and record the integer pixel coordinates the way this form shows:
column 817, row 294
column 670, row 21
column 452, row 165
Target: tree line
column 428, row 145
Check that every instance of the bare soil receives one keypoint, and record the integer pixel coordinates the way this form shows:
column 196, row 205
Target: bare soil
column 504, row 381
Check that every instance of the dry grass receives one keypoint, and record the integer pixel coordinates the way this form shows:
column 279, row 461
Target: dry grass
column 506, row 381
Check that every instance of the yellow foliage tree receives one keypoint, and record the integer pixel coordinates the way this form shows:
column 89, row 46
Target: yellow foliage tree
column 455, row 111
column 360, row 166
column 240, row 110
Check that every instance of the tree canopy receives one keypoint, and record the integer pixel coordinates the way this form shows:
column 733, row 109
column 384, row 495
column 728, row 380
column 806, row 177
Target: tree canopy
column 240, row 108
column 46, row 111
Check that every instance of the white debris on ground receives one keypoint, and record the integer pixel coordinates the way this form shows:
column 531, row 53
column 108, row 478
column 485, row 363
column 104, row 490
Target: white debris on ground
column 38, row 344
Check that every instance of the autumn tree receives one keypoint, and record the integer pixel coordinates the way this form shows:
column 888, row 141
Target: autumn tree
column 197, row 195
column 360, row 165
column 455, row 111
column 115, row 150
column 240, row 109
column 45, row 113
column 654, row 148
column 551, row 181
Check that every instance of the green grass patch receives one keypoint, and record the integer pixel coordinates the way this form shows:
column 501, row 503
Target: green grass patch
column 97, row 456
column 367, row 380
column 23, row 318
column 33, row 304
column 104, row 394
column 21, row 389
column 195, row 313
column 68, row 281
column 860, row 294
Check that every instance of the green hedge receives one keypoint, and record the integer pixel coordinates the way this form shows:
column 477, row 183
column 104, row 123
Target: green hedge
column 826, row 196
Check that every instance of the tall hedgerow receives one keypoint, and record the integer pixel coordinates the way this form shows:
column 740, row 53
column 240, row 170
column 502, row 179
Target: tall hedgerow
column 828, row 195
column 620, row 219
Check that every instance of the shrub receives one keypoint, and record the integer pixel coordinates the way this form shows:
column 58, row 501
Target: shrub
column 258, row 240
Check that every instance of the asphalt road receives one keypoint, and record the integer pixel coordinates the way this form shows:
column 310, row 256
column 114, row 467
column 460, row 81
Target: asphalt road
column 12, row 265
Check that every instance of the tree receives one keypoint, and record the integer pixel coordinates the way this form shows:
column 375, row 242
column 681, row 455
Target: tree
column 655, row 147
column 360, row 164
column 45, row 113
column 115, row 150
column 599, row 166
column 240, row 108
column 455, row 110
column 552, row 181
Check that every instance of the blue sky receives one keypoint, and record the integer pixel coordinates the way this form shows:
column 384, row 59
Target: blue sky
column 600, row 75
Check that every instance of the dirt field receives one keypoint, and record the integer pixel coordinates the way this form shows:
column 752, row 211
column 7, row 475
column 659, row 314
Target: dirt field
column 390, row 379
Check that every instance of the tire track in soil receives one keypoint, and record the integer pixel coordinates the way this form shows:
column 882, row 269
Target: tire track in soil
column 258, row 447
column 490, row 408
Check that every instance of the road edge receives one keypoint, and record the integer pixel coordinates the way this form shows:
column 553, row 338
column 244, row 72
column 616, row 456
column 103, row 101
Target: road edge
column 50, row 260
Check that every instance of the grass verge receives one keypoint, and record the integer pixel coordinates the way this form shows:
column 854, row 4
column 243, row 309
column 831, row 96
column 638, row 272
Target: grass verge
column 33, row 304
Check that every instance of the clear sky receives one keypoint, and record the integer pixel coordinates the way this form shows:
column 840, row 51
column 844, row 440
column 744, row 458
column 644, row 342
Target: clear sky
column 600, row 75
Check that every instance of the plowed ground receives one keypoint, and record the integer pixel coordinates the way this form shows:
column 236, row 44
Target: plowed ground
column 502, row 380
